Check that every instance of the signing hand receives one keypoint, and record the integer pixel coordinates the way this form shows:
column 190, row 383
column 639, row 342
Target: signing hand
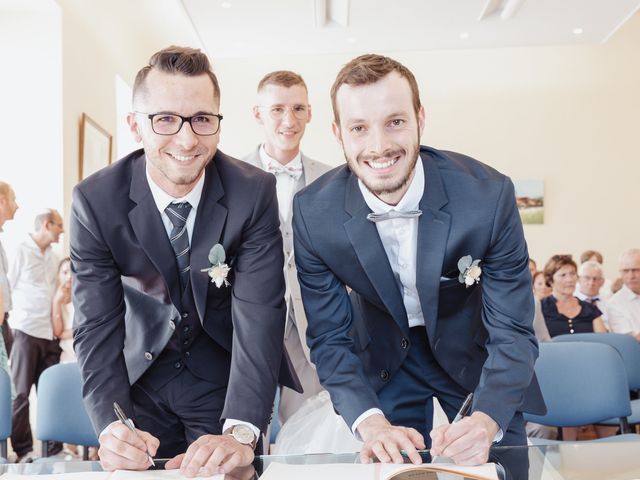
column 212, row 454
column 466, row 442
column 121, row 449
column 384, row 441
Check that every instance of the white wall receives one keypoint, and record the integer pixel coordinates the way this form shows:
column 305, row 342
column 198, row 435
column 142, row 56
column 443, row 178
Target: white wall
column 31, row 118
column 567, row 115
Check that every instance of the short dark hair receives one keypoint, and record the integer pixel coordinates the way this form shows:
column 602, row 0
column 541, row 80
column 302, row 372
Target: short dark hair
column 282, row 78
column 370, row 68
column 555, row 263
column 190, row 62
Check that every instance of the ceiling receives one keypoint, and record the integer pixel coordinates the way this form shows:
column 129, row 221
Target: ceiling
column 238, row 28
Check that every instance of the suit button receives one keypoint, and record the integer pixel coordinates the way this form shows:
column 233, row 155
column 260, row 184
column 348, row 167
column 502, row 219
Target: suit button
column 187, row 354
column 185, row 342
column 148, row 355
column 172, row 325
column 185, row 329
column 177, row 365
column 404, row 343
column 185, row 315
column 384, row 375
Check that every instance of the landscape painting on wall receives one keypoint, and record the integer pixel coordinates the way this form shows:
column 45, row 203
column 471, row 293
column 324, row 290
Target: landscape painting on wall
column 530, row 199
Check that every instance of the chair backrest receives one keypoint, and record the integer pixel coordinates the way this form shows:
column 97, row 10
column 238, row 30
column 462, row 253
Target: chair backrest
column 626, row 345
column 5, row 405
column 582, row 383
column 61, row 415
column 5, row 413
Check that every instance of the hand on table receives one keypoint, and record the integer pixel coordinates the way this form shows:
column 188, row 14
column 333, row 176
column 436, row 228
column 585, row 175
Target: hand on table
column 466, row 442
column 384, row 441
column 212, row 454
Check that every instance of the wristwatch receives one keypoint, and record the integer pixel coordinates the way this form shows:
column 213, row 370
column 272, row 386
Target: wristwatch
column 243, row 434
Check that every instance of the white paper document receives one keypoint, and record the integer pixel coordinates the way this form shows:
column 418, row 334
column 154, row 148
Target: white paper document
column 117, row 475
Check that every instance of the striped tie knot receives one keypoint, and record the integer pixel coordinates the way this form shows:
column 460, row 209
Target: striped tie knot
column 178, row 213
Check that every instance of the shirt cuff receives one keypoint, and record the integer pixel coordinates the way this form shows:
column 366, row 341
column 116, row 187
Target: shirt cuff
column 362, row 418
column 498, row 436
column 232, row 422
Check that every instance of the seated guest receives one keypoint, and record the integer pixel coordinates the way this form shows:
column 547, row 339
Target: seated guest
column 624, row 306
column 590, row 281
column 541, row 288
column 564, row 313
column 62, row 312
column 595, row 256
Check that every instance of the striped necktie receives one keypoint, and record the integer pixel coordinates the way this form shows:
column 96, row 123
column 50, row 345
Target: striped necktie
column 178, row 213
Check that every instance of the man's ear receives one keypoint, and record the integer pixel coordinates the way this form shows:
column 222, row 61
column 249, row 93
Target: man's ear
column 256, row 114
column 336, row 132
column 134, row 126
column 421, row 119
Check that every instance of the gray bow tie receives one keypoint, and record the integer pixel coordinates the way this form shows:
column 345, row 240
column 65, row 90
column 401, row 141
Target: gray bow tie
column 380, row 217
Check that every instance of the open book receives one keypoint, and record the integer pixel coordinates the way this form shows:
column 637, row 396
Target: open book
column 380, row 471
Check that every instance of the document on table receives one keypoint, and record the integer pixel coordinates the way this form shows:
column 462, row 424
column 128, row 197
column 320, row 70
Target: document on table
column 379, row 471
column 117, row 475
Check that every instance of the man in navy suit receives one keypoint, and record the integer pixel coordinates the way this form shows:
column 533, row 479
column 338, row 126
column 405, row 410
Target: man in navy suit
column 431, row 247
column 193, row 360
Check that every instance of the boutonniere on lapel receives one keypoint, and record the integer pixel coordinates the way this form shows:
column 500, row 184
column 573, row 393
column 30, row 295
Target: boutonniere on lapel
column 470, row 271
column 218, row 271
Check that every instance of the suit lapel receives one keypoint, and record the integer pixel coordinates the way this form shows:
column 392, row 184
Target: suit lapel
column 311, row 172
column 210, row 220
column 433, row 232
column 147, row 224
column 366, row 242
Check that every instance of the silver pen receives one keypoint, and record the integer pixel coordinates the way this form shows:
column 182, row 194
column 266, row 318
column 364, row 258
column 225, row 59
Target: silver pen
column 127, row 421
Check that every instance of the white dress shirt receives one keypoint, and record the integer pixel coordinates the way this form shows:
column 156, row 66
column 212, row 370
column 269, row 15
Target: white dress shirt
column 4, row 282
column 624, row 312
column 32, row 277
column 399, row 238
column 163, row 200
column 285, row 184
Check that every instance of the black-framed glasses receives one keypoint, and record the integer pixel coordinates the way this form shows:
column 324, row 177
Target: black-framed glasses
column 170, row 123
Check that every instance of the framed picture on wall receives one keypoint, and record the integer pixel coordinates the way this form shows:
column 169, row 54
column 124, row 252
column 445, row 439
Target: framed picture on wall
column 95, row 147
column 530, row 199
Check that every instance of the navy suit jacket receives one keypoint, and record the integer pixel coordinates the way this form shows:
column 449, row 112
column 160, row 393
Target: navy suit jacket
column 126, row 284
column 481, row 335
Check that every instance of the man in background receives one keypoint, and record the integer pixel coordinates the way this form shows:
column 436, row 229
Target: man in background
column 590, row 281
column 624, row 305
column 283, row 110
column 8, row 207
column 32, row 278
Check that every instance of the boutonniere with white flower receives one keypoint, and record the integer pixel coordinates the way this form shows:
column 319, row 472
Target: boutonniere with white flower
column 470, row 270
column 218, row 271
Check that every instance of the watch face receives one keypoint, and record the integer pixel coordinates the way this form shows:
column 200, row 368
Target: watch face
column 243, row 434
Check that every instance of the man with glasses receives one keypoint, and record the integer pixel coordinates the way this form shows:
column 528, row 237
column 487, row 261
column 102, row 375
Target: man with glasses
column 624, row 305
column 283, row 110
column 590, row 281
column 178, row 287
column 32, row 278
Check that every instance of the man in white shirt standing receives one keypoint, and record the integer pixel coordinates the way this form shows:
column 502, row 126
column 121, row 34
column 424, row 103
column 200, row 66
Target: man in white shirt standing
column 32, row 278
column 624, row 306
column 283, row 110
column 590, row 281
column 8, row 207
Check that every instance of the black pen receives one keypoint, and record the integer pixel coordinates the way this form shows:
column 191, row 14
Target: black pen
column 129, row 424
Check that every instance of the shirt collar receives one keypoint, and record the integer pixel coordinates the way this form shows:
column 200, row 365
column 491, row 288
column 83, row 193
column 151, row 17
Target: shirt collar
column 163, row 199
column 266, row 159
column 409, row 201
column 628, row 294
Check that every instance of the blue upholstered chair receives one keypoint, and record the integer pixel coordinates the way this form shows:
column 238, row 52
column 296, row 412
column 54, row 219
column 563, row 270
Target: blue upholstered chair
column 629, row 349
column 61, row 416
column 582, row 383
column 5, row 413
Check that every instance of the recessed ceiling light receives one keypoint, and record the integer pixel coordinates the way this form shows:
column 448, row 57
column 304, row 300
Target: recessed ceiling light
column 464, row 36
column 352, row 39
column 225, row 4
column 577, row 31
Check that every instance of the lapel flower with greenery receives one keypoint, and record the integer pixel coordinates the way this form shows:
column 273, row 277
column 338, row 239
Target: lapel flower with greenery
column 470, row 271
column 218, row 271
